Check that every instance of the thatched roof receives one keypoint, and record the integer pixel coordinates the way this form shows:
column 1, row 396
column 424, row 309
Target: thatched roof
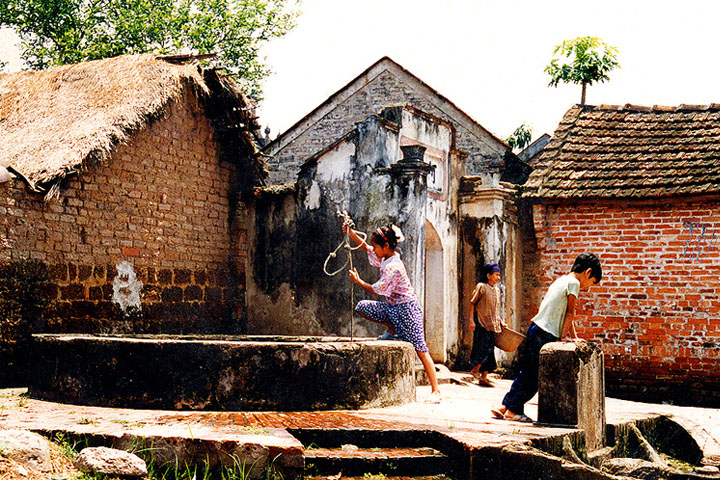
column 54, row 123
column 630, row 151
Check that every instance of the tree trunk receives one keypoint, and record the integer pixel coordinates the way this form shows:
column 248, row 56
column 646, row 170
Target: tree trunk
column 584, row 90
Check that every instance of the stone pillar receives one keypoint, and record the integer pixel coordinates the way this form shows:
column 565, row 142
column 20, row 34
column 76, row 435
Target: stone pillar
column 571, row 389
column 409, row 198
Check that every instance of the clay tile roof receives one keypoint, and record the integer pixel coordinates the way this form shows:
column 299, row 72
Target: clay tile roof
column 56, row 122
column 630, row 151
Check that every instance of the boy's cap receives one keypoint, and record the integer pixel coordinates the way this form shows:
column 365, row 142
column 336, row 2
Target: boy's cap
column 493, row 267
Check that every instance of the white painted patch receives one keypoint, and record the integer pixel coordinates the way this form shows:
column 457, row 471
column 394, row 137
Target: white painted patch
column 426, row 132
column 312, row 201
column 126, row 288
column 335, row 164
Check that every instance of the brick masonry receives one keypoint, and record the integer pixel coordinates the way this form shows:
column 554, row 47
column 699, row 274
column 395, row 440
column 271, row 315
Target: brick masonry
column 383, row 90
column 161, row 203
column 656, row 312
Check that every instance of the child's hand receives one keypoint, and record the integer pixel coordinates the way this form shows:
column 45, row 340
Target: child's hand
column 577, row 340
column 354, row 276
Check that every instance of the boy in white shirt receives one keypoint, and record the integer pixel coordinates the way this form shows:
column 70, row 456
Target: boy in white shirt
column 553, row 322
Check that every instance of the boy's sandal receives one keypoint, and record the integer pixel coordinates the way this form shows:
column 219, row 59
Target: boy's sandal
column 519, row 417
column 485, row 383
column 497, row 413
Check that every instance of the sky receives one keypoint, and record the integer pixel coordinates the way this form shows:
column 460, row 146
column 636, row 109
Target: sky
column 488, row 56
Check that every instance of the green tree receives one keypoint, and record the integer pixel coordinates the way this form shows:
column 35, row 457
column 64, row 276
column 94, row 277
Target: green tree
column 520, row 138
column 588, row 60
column 58, row 32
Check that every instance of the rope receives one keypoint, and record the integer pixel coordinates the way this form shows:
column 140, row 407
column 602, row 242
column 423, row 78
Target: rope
column 349, row 248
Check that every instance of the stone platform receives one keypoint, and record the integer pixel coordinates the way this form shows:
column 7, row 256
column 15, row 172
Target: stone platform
column 214, row 372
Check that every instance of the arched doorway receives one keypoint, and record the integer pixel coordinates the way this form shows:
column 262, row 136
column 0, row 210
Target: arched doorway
column 434, row 294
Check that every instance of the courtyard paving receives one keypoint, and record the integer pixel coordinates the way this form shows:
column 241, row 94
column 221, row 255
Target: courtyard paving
column 464, row 414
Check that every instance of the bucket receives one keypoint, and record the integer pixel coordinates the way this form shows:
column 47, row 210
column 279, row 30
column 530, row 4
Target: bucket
column 508, row 340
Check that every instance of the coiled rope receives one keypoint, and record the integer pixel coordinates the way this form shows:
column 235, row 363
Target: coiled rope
column 349, row 248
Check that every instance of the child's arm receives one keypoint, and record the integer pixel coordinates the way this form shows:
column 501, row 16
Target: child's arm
column 355, row 278
column 471, row 311
column 354, row 236
column 568, row 330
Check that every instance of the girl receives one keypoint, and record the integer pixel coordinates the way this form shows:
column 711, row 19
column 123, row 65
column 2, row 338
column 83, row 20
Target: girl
column 484, row 321
column 402, row 314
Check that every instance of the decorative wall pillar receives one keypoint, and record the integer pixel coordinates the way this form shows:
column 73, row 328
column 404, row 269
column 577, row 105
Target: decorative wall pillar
column 408, row 196
column 489, row 233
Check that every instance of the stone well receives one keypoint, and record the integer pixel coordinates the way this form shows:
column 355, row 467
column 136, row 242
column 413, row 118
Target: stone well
column 221, row 372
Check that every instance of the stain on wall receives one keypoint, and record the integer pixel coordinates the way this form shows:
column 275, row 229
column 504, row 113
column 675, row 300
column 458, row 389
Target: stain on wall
column 127, row 288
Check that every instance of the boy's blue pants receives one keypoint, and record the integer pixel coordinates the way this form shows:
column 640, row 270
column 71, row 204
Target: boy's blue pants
column 526, row 383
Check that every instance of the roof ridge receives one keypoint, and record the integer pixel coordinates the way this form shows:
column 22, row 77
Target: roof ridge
column 683, row 107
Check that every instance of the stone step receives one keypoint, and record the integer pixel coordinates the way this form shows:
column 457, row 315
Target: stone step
column 354, row 461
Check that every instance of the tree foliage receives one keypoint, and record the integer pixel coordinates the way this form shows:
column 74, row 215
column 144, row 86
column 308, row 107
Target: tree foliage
column 589, row 60
column 58, row 32
column 520, row 138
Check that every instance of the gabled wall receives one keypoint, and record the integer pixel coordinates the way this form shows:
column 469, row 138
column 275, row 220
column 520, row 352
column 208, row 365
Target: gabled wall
column 467, row 149
column 385, row 84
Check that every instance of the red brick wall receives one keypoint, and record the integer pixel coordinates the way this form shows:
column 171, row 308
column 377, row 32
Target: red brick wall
column 657, row 311
column 162, row 202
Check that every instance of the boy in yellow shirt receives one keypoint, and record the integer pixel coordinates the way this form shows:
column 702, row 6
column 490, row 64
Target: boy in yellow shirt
column 553, row 322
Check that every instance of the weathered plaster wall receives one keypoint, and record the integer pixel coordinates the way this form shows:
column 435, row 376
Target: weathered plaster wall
column 656, row 311
column 296, row 232
column 440, row 295
column 271, row 306
column 162, row 204
column 357, row 175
